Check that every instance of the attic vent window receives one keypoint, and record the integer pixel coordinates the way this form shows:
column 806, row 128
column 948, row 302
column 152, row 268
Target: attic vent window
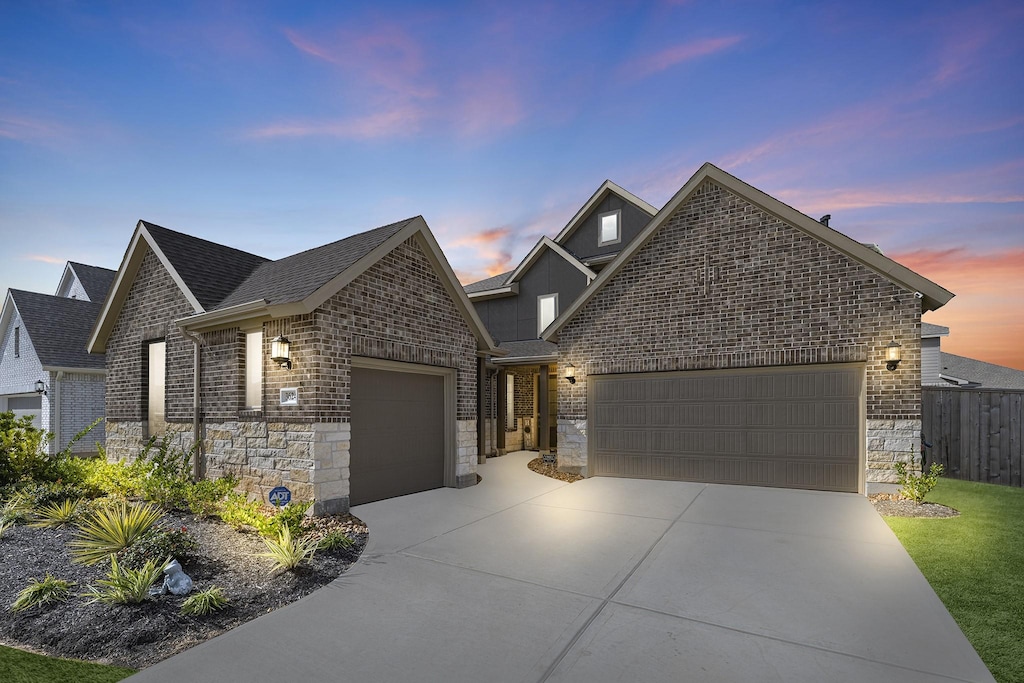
column 17, row 342
column 609, row 228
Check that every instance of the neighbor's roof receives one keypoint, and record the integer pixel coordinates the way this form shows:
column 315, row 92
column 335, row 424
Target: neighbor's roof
column 295, row 277
column 95, row 281
column 929, row 330
column 971, row 373
column 933, row 295
column 59, row 329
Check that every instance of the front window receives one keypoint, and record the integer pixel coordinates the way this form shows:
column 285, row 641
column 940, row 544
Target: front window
column 254, row 370
column 609, row 228
column 155, row 376
column 547, row 311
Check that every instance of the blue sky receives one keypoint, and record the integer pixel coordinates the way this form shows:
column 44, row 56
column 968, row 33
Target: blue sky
column 276, row 127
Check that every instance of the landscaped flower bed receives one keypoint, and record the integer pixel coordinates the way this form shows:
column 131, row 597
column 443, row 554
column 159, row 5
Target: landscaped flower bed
column 82, row 540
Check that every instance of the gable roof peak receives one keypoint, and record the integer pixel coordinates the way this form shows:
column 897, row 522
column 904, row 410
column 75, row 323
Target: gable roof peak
column 606, row 188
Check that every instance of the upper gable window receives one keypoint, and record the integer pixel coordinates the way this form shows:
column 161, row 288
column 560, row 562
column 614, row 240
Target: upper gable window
column 609, row 228
column 547, row 311
column 17, row 342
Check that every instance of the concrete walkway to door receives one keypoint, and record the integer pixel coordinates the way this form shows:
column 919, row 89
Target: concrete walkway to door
column 528, row 579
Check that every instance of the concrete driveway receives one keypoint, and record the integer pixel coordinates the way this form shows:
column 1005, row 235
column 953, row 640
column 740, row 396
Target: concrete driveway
column 524, row 578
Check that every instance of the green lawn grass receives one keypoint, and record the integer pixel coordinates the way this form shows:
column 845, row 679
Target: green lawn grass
column 19, row 666
column 975, row 563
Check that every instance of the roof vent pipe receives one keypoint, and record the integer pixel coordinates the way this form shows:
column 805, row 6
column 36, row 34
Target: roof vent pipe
column 825, row 219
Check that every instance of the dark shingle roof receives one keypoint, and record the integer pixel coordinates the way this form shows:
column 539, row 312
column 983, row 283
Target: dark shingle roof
column 530, row 348
column 95, row 280
column 293, row 278
column 211, row 271
column 489, row 283
column 981, row 374
column 59, row 328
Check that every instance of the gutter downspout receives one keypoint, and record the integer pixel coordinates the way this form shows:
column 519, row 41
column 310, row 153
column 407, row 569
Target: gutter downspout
column 199, row 464
column 55, row 409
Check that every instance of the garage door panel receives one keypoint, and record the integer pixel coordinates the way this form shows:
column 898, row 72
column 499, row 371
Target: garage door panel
column 798, row 427
column 398, row 434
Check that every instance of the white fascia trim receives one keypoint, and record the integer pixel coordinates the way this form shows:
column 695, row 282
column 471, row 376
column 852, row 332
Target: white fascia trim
column 508, row 290
column 6, row 313
column 606, row 187
column 64, row 279
column 78, row 371
column 955, row 380
column 224, row 317
column 535, row 253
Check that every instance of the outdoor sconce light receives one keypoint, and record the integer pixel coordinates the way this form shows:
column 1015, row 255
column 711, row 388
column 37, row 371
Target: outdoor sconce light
column 41, row 387
column 570, row 373
column 892, row 355
column 279, row 350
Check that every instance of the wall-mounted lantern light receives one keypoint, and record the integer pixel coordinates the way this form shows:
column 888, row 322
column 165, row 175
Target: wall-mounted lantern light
column 892, row 355
column 279, row 352
column 570, row 373
column 41, row 387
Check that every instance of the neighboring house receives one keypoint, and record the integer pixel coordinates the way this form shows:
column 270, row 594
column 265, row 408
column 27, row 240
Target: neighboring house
column 347, row 373
column 517, row 306
column 45, row 371
column 732, row 339
column 947, row 370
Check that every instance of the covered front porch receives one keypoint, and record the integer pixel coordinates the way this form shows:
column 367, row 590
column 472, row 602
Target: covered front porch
column 521, row 399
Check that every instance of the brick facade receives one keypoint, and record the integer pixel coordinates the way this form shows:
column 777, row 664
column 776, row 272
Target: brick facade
column 723, row 284
column 397, row 310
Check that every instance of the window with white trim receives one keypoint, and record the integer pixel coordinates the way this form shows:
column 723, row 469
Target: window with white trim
column 155, row 378
column 609, row 228
column 254, row 370
column 547, row 311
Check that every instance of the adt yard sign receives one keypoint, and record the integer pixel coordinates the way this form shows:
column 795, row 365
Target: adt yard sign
column 280, row 496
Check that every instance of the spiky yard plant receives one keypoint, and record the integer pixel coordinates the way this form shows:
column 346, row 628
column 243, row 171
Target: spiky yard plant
column 124, row 585
column 287, row 552
column 17, row 508
column 109, row 530
column 335, row 540
column 50, row 589
column 56, row 515
column 204, row 602
column 4, row 526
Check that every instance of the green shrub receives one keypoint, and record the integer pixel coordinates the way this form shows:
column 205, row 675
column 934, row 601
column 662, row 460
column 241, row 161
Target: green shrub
column 204, row 602
column 22, row 450
column 41, row 494
column 120, row 479
column 335, row 540
column 242, row 513
column 124, row 585
column 107, row 531
column 204, row 497
column 917, row 486
column 17, row 509
column 157, row 543
column 37, row 593
column 56, row 514
column 289, row 553
column 292, row 516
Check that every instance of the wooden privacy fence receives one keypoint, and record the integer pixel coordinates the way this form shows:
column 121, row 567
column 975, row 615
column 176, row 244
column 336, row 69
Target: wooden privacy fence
column 977, row 434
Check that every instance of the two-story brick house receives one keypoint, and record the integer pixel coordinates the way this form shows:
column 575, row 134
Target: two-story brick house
column 732, row 339
column 45, row 371
column 347, row 373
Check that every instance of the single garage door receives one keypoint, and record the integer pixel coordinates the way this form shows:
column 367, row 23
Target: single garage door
column 792, row 427
column 397, row 434
column 31, row 406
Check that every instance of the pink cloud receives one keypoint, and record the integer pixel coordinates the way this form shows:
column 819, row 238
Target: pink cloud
column 814, row 201
column 677, row 54
column 30, row 130
column 391, row 123
column 988, row 287
column 43, row 258
column 487, row 101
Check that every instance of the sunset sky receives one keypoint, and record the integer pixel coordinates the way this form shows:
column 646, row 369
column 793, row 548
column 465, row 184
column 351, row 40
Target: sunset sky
column 276, row 127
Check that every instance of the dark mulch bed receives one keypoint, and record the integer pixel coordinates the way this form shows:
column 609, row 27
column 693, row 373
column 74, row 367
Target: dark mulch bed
column 894, row 505
column 138, row 636
column 540, row 467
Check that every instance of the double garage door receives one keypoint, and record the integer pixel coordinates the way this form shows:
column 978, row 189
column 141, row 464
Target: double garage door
column 793, row 427
column 398, row 434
